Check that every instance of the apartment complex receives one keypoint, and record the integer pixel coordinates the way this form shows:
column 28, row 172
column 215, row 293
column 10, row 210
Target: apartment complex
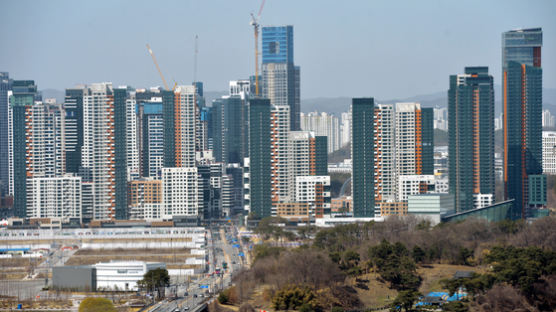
column 471, row 147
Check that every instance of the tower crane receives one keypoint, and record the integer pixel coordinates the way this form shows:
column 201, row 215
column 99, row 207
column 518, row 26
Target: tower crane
column 255, row 24
column 196, row 52
column 157, row 67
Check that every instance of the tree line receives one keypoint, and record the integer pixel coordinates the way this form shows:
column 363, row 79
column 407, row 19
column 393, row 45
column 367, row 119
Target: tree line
column 519, row 257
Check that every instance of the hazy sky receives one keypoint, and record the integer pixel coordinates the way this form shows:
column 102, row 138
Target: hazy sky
column 385, row 49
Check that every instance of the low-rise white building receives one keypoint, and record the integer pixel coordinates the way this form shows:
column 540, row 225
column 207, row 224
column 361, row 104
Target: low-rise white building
column 482, row 200
column 430, row 206
column 549, row 152
column 123, row 275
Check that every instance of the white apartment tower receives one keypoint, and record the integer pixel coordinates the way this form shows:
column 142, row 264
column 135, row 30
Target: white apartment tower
column 98, row 153
column 315, row 191
column 405, row 134
column 180, row 195
column 345, row 129
column 385, row 153
column 132, row 148
column 45, row 129
column 185, row 125
column 400, row 142
column 55, row 197
column 548, row 120
column 323, row 124
column 279, row 154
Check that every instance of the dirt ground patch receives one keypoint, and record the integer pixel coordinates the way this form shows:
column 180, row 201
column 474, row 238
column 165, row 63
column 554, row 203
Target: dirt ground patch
column 36, row 304
column 372, row 292
column 435, row 273
column 166, row 258
column 19, row 262
column 125, row 240
column 137, row 251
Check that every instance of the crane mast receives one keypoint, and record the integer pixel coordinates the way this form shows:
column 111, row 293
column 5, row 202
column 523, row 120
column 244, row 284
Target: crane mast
column 255, row 24
column 157, row 67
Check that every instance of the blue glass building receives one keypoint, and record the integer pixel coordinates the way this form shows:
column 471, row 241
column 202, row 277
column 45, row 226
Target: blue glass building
column 522, row 109
column 280, row 76
column 278, row 44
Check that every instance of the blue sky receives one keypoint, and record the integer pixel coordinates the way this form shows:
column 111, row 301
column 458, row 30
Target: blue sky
column 385, row 49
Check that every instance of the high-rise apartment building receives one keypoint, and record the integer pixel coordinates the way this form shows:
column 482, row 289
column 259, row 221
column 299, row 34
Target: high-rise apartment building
column 210, row 189
column 180, row 193
column 150, row 124
column 45, row 130
column 414, row 139
column 280, row 76
column 240, row 87
column 385, row 153
column 185, row 126
column 232, row 193
column 230, row 127
column 345, row 129
column 471, row 136
column 279, row 154
column 258, row 200
column 441, row 118
column 169, row 134
column 5, row 85
column 315, row 191
column 145, row 199
column 132, row 150
column 73, row 105
column 44, row 146
column 362, row 153
column 323, row 124
column 522, row 108
column 104, row 161
column 55, row 197
column 548, row 120
column 21, row 104
column 403, row 137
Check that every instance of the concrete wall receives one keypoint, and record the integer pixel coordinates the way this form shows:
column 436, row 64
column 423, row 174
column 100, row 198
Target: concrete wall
column 78, row 278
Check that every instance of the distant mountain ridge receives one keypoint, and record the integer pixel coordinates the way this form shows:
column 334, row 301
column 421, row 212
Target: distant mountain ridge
column 338, row 105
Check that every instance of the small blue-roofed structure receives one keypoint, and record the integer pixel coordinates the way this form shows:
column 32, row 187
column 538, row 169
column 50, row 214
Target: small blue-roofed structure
column 437, row 298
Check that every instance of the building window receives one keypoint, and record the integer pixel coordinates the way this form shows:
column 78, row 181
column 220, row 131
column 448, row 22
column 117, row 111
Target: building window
column 274, row 47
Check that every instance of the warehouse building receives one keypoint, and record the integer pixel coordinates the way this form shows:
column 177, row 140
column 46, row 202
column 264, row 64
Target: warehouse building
column 74, row 278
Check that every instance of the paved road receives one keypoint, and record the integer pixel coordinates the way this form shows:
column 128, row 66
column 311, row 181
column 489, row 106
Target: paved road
column 221, row 249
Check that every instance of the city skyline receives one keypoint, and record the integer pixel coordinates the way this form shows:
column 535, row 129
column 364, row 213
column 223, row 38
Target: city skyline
column 68, row 34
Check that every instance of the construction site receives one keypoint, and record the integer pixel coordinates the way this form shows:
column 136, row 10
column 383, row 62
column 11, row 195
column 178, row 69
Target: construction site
column 27, row 257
